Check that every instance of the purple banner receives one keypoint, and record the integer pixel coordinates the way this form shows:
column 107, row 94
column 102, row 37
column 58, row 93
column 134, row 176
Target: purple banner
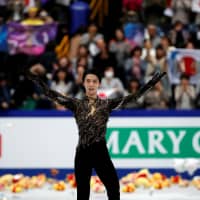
column 30, row 40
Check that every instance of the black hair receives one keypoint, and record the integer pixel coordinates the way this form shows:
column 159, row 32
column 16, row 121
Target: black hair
column 55, row 77
column 159, row 47
column 91, row 71
column 184, row 76
column 136, row 48
column 120, row 29
column 177, row 22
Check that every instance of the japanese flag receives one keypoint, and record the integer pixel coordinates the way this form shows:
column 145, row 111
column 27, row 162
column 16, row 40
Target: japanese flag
column 105, row 93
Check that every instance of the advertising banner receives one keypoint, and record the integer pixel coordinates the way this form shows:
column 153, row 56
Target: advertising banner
column 47, row 142
column 151, row 142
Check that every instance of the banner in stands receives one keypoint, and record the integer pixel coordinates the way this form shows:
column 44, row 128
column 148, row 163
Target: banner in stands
column 184, row 61
column 47, row 142
column 30, row 40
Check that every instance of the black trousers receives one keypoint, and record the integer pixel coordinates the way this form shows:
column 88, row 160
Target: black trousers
column 95, row 156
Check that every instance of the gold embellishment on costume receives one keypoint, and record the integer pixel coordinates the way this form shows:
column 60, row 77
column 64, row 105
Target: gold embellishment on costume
column 92, row 108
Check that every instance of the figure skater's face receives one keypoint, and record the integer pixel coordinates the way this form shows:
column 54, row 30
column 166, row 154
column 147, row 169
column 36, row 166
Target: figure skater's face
column 91, row 84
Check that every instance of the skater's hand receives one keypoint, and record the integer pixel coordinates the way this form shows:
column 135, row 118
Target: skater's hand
column 37, row 69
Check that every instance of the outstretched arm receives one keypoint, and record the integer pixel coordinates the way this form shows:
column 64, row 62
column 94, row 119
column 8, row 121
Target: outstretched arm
column 121, row 102
column 51, row 94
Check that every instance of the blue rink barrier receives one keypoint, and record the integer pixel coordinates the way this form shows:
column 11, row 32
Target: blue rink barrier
column 119, row 113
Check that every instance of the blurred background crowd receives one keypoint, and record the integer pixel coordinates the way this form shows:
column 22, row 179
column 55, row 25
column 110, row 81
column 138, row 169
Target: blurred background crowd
column 126, row 41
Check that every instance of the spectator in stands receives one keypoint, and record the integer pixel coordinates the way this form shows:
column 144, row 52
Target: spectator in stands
column 156, row 98
column 148, row 51
column 133, row 87
column 158, row 63
column 75, row 42
column 78, row 89
column 181, row 11
column 132, row 5
column 81, row 62
column 166, row 43
column 62, row 83
column 129, row 17
column 135, row 65
column 152, row 34
column 197, row 99
column 196, row 36
column 82, row 54
column 90, row 38
column 63, row 63
column 148, row 55
column 178, row 35
column 121, row 48
column 5, row 93
column 184, row 93
column 104, row 58
column 189, row 45
column 112, row 83
column 153, row 11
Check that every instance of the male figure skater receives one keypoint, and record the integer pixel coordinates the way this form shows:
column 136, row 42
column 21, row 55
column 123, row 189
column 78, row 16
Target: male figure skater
column 91, row 114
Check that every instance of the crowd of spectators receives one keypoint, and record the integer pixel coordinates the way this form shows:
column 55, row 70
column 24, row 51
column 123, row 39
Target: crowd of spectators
column 124, row 67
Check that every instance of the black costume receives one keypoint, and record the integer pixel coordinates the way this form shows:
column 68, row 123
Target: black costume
column 91, row 150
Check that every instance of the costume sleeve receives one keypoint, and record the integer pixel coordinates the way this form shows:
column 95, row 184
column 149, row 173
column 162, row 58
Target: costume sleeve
column 70, row 103
column 119, row 103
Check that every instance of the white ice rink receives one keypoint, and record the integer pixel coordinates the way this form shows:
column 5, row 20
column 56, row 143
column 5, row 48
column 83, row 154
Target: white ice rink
column 173, row 193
